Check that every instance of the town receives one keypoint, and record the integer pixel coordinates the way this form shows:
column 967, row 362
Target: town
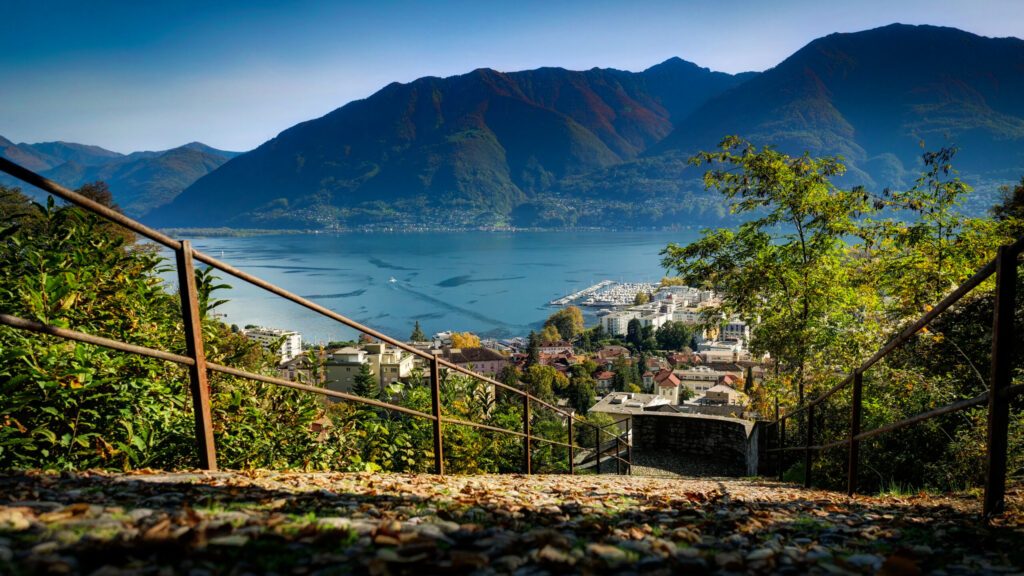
column 662, row 348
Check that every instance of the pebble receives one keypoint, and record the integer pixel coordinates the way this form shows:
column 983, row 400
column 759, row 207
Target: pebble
column 869, row 561
column 610, row 554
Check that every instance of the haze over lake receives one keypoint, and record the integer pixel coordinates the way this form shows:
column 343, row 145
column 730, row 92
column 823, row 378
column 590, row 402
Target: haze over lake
column 492, row 283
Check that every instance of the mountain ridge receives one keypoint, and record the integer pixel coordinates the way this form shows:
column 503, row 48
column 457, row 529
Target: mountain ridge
column 485, row 140
column 139, row 181
column 602, row 147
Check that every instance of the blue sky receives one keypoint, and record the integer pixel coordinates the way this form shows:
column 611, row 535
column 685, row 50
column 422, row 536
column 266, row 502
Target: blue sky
column 135, row 75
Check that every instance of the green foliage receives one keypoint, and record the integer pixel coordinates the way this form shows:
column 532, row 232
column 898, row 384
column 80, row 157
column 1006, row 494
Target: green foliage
column 673, row 335
column 545, row 382
column 586, row 434
column 550, row 333
column 634, row 334
column 786, row 266
column 532, row 349
column 581, row 393
column 417, row 333
column 625, row 375
column 67, row 405
column 825, row 276
column 365, row 383
column 568, row 322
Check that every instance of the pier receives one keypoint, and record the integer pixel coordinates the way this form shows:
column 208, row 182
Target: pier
column 577, row 295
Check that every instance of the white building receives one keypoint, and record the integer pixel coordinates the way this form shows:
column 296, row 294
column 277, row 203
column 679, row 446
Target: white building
column 736, row 330
column 388, row 365
column 290, row 342
column 617, row 323
column 699, row 379
column 621, row 406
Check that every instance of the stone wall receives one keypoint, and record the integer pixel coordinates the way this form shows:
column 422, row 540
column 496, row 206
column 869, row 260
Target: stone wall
column 728, row 441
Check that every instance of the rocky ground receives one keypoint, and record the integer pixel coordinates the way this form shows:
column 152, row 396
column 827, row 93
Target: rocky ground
column 240, row 523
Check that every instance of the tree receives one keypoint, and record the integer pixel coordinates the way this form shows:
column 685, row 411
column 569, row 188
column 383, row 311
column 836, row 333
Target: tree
column 673, row 335
column 568, row 321
column 417, row 333
column 18, row 210
column 550, row 334
column 584, row 343
column 99, row 192
column 634, row 333
column 931, row 246
column 465, row 340
column 641, row 297
column 532, row 349
column 581, row 393
column 786, row 265
column 625, row 374
column 365, row 383
column 545, row 381
column 1010, row 210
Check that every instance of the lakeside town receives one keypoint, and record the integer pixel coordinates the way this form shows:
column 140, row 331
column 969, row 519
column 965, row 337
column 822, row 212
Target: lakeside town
column 662, row 348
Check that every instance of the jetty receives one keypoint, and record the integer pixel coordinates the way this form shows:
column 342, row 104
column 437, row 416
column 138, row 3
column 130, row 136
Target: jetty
column 577, row 295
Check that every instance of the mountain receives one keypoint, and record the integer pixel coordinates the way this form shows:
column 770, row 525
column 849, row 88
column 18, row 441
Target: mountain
column 140, row 181
column 880, row 98
column 481, row 144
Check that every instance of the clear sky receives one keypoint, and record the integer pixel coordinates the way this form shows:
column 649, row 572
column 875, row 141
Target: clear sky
column 154, row 74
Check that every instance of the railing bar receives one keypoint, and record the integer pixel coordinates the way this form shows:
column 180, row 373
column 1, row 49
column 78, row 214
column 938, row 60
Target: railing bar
column 502, row 385
column 504, row 430
column 314, row 389
column 954, row 407
column 31, row 326
column 494, row 382
column 52, row 187
column 259, row 282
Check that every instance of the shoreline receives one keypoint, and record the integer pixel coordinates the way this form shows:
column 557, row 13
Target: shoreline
column 251, row 232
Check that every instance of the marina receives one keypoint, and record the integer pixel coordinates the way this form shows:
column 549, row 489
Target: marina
column 582, row 293
column 621, row 294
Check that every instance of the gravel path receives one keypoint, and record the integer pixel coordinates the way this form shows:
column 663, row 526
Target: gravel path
column 233, row 523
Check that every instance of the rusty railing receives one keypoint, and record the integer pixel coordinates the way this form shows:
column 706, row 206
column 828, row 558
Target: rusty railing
column 998, row 395
column 198, row 366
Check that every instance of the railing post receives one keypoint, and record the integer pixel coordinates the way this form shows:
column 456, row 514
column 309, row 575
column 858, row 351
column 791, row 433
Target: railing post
column 597, row 449
column 572, row 451
column 855, row 416
column 618, row 459
column 807, row 447
column 198, row 383
column 629, row 446
column 778, row 455
column 527, row 458
column 1001, row 376
column 782, row 453
column 435, row 404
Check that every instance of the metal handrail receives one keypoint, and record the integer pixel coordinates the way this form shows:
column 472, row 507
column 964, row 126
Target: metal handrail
column 196, row 358
column 1004, row 266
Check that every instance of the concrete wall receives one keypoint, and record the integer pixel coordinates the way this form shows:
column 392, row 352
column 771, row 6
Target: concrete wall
column 728, row 440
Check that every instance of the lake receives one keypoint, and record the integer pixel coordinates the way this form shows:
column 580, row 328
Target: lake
column 495, row 284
